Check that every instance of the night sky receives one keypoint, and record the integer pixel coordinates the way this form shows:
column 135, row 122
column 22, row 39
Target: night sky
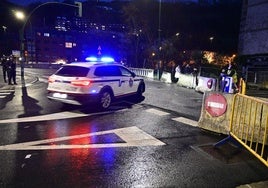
column 27, row 2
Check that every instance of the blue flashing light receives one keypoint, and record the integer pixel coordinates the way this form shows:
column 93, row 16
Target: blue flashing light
column 107, row 59
column 91, row 58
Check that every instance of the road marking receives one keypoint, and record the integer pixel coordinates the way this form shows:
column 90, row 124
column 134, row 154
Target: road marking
column 186, row 121
column 55, row 116
column 133, row 137
column 48, row 117
column 5, row 93
column 157, row 112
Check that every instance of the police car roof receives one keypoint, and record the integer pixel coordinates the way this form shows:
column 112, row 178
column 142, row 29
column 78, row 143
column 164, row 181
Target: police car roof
column 90, row 64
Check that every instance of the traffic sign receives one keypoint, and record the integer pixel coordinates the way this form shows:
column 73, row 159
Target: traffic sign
column 216, row 104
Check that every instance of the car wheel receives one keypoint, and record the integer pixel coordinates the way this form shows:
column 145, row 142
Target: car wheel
column 105, row 99
column 140, row 90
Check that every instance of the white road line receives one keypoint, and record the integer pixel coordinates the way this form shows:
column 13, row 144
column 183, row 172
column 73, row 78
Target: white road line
column 48, row 117
column 157, row 112
column 55, row 116
column 133, row 137
column 186, row 121
column 5, row 93
column 7, row 90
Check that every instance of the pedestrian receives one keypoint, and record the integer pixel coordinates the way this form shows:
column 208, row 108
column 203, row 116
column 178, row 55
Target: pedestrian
column 4, row 68
column 12, row 70
column 230, row 71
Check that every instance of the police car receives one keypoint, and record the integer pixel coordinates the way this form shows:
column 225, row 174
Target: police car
column 99, row 81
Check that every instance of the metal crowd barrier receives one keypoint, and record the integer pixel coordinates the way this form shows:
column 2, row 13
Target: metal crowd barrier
column 149, row 73
column 249, row 125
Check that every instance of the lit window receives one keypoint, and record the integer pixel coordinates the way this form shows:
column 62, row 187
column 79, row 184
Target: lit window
column 46, row 34
column 74, row 44
column 68, row 45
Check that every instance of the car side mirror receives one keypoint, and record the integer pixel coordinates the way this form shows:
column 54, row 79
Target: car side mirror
column 133, row 74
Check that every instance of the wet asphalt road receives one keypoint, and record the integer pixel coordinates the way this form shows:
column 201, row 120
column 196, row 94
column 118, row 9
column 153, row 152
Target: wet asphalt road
column 136, row 144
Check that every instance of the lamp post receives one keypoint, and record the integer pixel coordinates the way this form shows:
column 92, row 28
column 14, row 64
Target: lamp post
column 211, row 40
column 159, row 39
column 21, row 16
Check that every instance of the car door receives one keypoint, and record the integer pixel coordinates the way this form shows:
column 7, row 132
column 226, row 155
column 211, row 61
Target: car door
column 127, row 80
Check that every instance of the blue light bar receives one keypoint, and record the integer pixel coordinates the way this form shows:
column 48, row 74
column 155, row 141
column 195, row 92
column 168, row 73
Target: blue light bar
column 107, row 59
column 104, row 59
column 91, row 58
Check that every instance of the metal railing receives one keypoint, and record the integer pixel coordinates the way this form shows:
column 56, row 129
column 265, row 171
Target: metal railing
column 149, row 73
column 249, row 125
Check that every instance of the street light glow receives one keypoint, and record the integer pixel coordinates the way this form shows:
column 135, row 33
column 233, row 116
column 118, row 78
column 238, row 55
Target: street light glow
column 20, row 15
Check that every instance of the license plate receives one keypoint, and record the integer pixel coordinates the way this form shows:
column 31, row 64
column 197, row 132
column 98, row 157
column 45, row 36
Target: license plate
column 71, row 89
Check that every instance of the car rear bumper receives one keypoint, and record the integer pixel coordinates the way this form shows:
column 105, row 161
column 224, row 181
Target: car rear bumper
column 75, row 99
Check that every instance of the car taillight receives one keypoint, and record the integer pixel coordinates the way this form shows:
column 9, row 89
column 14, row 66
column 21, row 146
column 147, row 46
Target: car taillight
column 80, row 82
column 51, row 79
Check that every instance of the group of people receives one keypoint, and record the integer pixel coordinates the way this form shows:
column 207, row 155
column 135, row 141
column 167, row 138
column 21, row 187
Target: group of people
column 9, row 69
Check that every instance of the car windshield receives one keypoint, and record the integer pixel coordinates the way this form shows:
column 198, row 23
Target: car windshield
column 72, row 71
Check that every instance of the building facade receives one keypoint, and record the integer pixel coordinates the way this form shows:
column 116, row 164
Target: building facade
column 253, row 42
column 74, row 40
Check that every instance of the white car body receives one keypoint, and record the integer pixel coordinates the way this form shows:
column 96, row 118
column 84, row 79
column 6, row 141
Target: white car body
column 84, row 82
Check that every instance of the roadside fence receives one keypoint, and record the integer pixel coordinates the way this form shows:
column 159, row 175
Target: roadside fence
column 149, row 73
column 249, row 125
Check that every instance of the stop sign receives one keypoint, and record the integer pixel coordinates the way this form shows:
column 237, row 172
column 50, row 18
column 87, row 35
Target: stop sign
column 216, row 104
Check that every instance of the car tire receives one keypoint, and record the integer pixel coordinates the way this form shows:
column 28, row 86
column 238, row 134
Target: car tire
column 140, row 90
column 105, row 99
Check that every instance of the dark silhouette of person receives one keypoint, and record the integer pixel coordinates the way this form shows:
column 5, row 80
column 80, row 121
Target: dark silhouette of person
column 11, row 70
column 230, row 70
column 4, row 68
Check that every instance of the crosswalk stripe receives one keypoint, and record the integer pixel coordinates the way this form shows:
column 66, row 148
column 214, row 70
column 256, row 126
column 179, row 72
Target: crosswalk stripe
column 157, row 112
column 7, row 90
column 5, row 93
column 186, row 121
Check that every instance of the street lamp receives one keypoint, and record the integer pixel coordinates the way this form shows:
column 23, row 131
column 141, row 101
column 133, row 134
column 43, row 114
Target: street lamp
column 20, row 15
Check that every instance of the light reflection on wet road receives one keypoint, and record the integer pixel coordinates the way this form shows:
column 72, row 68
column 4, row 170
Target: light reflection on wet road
column 185, row 159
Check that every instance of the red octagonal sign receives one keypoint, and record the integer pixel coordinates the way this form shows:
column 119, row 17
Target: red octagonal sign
column 216, row 105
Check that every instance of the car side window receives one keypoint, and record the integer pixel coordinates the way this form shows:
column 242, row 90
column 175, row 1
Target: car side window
column 125, row 72
column 107, row 71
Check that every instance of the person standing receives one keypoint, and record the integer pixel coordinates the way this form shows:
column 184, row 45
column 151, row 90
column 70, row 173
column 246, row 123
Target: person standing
column 12, row 70
column 4, row 67
column 230, row 71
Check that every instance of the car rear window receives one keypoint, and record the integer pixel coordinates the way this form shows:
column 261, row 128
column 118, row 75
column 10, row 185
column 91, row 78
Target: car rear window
column 72, row 71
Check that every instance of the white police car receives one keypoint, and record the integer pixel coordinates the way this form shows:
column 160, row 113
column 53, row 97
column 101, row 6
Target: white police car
column 99, row 81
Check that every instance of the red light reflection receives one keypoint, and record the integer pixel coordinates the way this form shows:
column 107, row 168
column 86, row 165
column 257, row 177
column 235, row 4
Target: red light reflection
column 74, row 161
